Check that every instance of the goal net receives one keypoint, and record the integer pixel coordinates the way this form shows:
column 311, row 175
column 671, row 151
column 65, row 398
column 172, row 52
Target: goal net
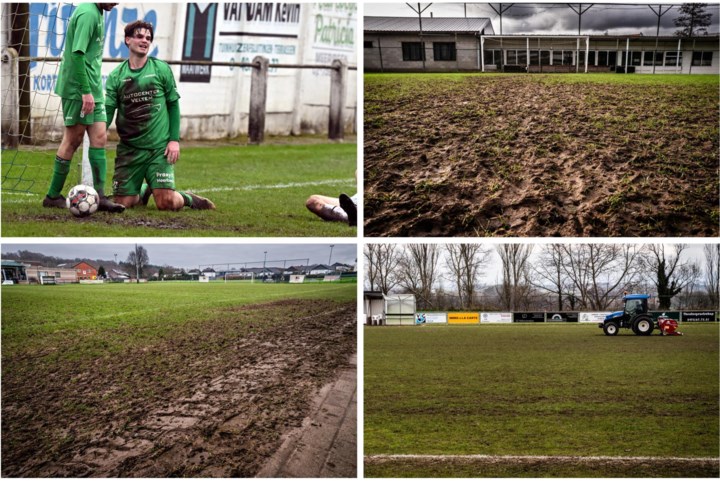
column 32, row 125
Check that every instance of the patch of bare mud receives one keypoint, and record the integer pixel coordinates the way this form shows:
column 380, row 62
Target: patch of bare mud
column 513, row 156
column 213, row 399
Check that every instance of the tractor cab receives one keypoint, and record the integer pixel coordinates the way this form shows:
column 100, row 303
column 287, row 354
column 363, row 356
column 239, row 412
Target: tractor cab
column 635, row 316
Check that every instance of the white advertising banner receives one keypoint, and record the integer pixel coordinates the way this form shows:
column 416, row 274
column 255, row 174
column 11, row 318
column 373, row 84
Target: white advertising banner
column 496, row 317
column 297, row 279
column 592, row 316
column 431, row 318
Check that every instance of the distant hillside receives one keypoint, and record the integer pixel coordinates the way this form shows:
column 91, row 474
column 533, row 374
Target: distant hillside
column 51, row 261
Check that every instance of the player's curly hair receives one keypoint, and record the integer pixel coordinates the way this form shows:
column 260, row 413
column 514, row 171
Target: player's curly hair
column 131, row 27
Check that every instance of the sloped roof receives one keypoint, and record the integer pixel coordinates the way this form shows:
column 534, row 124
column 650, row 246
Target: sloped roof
column 435, row 24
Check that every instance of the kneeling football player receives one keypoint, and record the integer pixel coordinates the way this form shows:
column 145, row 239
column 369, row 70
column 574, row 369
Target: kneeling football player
column 143, row 91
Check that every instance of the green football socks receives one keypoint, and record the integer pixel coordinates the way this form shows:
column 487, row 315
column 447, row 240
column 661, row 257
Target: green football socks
column 99, row 168
column 60, row 173
column 186, row 197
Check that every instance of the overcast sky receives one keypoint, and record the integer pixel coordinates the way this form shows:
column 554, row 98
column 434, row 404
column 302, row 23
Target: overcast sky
column 556, row 18
column 492, row 271
column 194, row 255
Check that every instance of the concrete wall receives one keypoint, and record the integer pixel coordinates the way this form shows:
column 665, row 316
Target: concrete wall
column 215, row 101
column 390, row 47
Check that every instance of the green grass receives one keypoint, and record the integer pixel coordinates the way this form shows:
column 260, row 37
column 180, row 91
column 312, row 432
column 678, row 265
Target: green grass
column 99, row 320
column 540, row 390
column 258, row 191
column 406, row 79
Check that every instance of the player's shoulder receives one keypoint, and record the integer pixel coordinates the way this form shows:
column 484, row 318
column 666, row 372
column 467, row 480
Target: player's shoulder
column 159, row 64
column 87, row 9
column 123, row 66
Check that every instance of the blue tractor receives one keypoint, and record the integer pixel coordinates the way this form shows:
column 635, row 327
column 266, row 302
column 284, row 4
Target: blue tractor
column 635, row 316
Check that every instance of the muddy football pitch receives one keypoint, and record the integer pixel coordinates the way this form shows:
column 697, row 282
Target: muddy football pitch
column 541, row 155
column 164, row 379
column 550, row 400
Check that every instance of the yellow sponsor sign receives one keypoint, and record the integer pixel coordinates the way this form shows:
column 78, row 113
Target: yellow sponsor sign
column 463, row 318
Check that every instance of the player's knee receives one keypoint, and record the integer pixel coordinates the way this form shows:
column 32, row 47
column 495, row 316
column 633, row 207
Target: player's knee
column 98, row 139
column 164, row 202
column 73, row 139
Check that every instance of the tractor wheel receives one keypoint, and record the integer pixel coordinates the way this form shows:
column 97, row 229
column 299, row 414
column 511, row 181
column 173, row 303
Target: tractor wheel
column 644, row 326
column 610, row 329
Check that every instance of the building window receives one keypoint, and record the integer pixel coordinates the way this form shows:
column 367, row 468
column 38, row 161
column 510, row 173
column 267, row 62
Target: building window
column 534, row 57
column 702, row 59
column 444, row 50
column 412, row 51
column 491, row 57
column 568, row 57
column 368, row 44
column 545, row 57
column 557, row 57
column 672, row 59
column 635, row 58
column 653, row 58
column 522, row 57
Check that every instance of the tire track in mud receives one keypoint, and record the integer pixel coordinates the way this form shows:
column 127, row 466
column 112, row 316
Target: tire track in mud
column 223, row 422
column 524, row 156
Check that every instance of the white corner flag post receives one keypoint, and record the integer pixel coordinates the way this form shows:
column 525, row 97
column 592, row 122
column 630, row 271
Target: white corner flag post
column 86, row 172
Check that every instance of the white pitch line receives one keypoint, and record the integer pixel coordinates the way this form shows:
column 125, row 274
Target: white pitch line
column 211, row 190
column 451, row 457
column 277, row 186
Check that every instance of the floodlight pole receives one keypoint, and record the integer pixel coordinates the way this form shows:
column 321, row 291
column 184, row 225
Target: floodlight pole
column 419, row 11
column 658, row 14
column 580, row 12
column 330, row 258
column 500, row 10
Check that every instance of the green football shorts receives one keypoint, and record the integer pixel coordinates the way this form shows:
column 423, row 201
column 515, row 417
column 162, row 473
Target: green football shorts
column 132, row 166
column 71, row 113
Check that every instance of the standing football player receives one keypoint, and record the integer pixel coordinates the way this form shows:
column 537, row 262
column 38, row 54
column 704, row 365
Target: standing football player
column 143, row 91
column 79, row 85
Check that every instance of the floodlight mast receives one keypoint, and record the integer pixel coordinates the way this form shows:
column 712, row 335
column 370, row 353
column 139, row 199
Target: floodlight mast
column 658, row 14
column 422, row 45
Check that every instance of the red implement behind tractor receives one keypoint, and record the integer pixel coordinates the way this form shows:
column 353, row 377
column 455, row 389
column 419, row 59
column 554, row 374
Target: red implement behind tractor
column 668, row 326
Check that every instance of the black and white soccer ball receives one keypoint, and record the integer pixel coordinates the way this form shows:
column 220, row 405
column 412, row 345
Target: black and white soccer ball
column 82, row 200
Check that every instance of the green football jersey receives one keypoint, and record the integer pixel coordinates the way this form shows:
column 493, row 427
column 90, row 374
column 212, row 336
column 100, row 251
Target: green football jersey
column 86, row 34
column 141, row 98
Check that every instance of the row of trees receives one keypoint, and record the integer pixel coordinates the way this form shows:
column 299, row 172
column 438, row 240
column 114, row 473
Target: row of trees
column 550, row 276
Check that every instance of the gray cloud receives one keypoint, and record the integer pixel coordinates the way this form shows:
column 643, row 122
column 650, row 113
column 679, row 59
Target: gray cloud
column 193, row 255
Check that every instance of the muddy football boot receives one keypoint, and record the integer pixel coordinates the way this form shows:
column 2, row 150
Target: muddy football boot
column 109, row 206
column 201, row 203
column 58, row 202
column 350, row 208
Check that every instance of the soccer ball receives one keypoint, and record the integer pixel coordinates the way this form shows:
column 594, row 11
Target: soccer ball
column 82, row 200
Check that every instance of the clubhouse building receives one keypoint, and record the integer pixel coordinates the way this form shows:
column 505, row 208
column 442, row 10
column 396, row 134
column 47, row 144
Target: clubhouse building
column 397, row 44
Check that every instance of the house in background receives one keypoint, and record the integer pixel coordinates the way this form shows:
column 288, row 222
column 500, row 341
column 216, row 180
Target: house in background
column 85, row 271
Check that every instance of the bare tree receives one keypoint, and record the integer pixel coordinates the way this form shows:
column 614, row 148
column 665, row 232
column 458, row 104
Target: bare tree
column 138, row 259
column 712, row 274
column 670, row 273
column 515, row 287
column 549, row 275
column 465, row 262
column 418, row 271
column 599, row 272
column 382, row 262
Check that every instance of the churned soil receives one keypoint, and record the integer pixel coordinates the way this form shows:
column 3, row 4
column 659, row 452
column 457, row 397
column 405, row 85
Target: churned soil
column 535, row 155
column 212, row 399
